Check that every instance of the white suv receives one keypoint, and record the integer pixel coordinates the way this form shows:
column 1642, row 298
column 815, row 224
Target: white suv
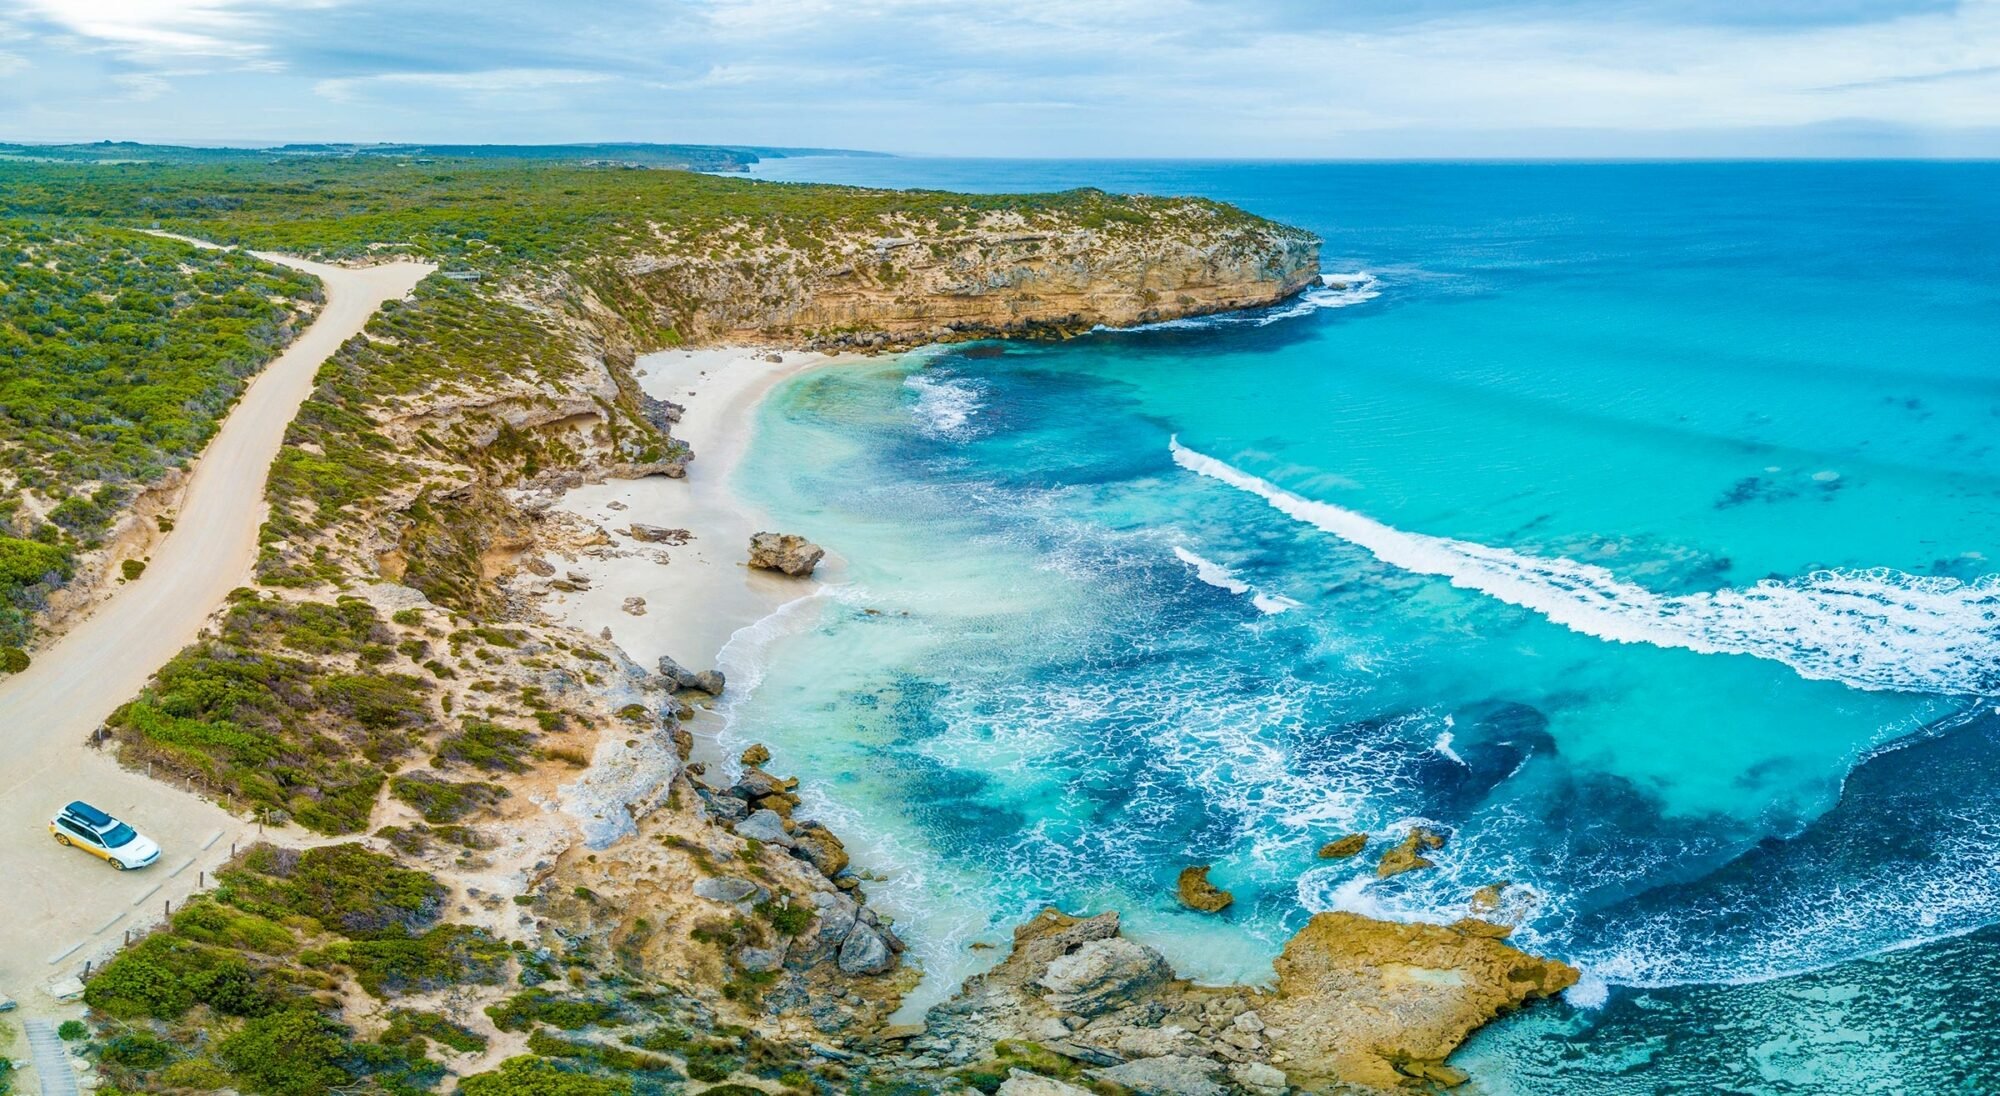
column 83, row 826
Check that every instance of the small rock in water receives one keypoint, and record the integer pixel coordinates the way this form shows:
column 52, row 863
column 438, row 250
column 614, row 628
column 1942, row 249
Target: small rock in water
column 1197, row 893
column 785, row 552
column 635, row 606
column 756, row 755
column 1408, row 856
column 1340, row 848
column 614, row 504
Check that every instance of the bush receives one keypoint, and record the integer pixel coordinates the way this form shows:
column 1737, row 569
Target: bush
column 350, row 889
column 441, row 801
column 526, row 1076
column 445, row 956
column 72, row 1030
column 163, row 976
column 13, row 660
column 137, row 1050
column 132, row 569
column 524, row 1010
column 296, row 1052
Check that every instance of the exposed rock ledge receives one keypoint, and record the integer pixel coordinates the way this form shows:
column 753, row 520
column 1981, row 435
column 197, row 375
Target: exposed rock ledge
column 1360, row 1004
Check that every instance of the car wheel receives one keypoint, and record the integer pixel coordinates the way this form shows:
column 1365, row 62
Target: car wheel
column 63, row 841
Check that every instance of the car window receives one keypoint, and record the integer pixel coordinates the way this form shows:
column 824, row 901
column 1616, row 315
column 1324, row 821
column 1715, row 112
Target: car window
column 79, row 831
column 119, row 836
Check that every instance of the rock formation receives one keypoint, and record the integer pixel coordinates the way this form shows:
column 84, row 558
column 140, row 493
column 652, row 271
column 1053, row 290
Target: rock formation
column 1340, row 848
column 1408, row 855
column 787, row 552
column 1197, row 893
column 1381, row 1004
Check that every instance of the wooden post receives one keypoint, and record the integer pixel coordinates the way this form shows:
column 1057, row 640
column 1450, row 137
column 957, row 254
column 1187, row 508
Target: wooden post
column 170, row 907
column 200, row 880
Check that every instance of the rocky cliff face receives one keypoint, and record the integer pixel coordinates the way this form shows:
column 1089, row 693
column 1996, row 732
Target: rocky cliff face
column 1009, row 273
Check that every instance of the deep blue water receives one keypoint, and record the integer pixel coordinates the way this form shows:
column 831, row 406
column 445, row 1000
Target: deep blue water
column 1632, row 522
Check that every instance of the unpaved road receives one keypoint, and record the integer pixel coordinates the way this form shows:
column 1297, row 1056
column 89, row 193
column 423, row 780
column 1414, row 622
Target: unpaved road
column 60, row 907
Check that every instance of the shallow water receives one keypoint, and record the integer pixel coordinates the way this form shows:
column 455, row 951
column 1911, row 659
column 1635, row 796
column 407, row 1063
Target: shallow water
column 1609, row 516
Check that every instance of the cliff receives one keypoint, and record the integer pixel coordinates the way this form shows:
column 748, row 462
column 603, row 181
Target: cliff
column 1007, row 273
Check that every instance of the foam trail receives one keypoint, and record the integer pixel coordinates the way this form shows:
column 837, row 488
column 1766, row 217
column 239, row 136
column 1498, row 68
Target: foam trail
column 945, row 405
column 1333, row 291
column 1215, row 574
column 1222, row 578
column 1875, row 629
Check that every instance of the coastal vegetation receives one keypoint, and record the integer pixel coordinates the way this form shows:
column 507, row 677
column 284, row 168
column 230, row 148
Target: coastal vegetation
column 119, row 354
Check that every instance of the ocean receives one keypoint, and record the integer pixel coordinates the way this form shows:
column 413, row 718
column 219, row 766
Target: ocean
column 1630, row 522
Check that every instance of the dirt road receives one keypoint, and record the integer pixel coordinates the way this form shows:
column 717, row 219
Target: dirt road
column 60, row 907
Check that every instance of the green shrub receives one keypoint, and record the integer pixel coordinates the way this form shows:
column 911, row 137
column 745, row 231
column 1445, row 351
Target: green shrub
column 132, row 569
column 447, row 955
column 13, row 660
column 524, row 1010
column 406, row 1025
column 296, row 1052
column 137, row 1050
column 485, row 745
column 350, row 889
column 539, row 1077
column 163, row 976
column 440, row 800
column 70, row 1031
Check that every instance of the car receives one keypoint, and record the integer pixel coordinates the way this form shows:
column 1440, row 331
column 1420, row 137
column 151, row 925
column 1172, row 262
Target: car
column 83, row 826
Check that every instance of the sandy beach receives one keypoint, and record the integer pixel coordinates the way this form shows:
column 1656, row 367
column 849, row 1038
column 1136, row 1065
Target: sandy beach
column 699, row 593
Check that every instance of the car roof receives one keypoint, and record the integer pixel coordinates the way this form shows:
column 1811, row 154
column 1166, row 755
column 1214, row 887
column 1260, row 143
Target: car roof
column 87, row 813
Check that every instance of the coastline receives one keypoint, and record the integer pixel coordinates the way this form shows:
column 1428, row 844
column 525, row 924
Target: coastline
column 698, row 594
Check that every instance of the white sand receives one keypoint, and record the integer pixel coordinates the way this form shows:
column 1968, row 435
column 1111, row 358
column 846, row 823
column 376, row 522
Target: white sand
column 706, row 591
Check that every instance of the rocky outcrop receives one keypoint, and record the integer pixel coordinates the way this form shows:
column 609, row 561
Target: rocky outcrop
column 678, row 676
column 1197, row 893
column 1408, row 855
column 1049, row 272
column 1341, row 848
column 786, row 552
column 1382, row 1004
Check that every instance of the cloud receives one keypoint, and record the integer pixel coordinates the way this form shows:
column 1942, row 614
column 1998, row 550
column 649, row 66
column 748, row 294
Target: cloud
column 154, row 30
column 483, row 84
column 1031, row 77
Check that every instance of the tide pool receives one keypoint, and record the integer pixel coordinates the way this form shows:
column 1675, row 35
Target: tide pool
column 1632, row 522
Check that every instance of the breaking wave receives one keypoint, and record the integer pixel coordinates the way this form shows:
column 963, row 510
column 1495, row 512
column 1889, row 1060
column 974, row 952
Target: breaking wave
column 945, row 405
column 1333, row 291
column 1222, row 578
column 1868, row 629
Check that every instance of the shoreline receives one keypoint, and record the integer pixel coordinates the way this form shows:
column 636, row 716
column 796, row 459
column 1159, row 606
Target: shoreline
column 698, row 595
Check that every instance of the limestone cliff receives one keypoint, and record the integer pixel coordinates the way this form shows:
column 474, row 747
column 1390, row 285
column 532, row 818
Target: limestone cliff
column 1006, row 273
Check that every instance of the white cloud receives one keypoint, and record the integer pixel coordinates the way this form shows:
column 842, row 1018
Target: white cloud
column 486, row 83
column 153, row 30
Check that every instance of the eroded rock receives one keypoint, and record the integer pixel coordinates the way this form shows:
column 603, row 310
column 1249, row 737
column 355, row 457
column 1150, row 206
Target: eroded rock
column 1197, row 893
column 1369, row 1002
column 785, row 552
column 1103, row 975
column 1408, row 855
column 1340, row 848
column 658, row 534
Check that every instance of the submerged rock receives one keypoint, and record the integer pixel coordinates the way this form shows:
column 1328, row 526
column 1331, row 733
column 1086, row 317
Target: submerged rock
column 1379, row 1003
column 1340, row 848
column 1197, row 893
column 1409, row 854
column 786, row 552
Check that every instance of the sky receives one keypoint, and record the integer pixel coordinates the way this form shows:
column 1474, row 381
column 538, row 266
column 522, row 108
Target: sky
column 1195, row 78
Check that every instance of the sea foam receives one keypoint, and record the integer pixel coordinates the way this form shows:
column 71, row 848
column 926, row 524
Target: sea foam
column 1333, row 291
column 1869, row 629
column 945, row 405
column 1222, row 578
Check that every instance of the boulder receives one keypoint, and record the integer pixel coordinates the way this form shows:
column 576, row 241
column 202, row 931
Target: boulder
column 759, row 960
column 756, row 784
column 1197, row 893
column 680, row 677
column 725, row 888
column 1020, row 1082
column 1170, row 1075
column 1340, row 848
column 865, row 952
column 634, row 605
column 1408, row 855
column 786, row 552
column 658, row 534
column 818, row 845
column 766, row 826
column 1260, row 1079
column 756, row 755
column 1103, row 975
column 1487, row 899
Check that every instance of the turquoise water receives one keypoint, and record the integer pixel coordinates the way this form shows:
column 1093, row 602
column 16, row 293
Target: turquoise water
column 1631, row 522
